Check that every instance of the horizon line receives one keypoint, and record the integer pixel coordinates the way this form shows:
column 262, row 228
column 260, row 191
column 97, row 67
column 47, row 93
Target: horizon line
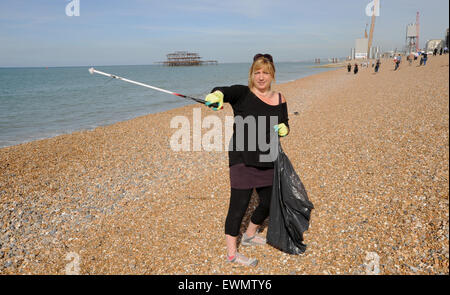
column 152, row 64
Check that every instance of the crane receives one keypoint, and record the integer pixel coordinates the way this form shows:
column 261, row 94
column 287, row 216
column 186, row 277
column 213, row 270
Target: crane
column 372, row 26
column 417, row 31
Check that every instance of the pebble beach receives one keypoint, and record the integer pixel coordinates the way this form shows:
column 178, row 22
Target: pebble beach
column 371, row 149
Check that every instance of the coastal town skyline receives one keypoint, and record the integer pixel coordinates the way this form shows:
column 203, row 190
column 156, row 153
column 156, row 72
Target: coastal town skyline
column 46, row 33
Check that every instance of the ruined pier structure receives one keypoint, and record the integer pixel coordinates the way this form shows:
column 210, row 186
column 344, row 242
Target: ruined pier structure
column 184, row 58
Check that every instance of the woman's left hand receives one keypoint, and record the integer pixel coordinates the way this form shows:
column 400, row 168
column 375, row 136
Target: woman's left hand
column 282, row 129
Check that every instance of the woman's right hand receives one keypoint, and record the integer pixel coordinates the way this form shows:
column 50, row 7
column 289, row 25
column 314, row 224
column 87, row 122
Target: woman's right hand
column 215, row 98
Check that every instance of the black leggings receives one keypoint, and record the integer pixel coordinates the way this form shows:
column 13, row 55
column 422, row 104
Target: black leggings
column 238, row 206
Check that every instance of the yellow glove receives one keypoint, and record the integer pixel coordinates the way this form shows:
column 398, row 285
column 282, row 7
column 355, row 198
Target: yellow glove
column 282, row 129
column 215, row 98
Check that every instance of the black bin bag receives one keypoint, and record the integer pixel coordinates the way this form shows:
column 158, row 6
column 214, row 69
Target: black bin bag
column 290, row 208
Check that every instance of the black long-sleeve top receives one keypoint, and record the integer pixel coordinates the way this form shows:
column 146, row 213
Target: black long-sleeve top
column 245, row 103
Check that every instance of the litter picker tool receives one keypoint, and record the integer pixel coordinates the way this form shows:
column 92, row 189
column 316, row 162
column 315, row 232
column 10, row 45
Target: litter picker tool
column 92, row 71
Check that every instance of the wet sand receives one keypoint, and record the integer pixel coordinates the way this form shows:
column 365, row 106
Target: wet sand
column 371, row 150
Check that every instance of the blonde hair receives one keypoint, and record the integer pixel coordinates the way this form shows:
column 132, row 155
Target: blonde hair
column 260, row 63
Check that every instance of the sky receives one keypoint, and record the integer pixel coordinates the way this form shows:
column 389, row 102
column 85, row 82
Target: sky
column 39, row 33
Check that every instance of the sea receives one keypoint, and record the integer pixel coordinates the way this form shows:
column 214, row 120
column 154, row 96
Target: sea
column 38, row 103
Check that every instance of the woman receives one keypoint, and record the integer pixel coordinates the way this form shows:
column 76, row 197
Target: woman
column 396, row 62
column 254, row 103
column 425, row 58
column 377, row 66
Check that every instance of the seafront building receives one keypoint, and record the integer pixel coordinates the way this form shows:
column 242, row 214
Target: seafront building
column 446, row 39
column 433, row 44
column 360, row 50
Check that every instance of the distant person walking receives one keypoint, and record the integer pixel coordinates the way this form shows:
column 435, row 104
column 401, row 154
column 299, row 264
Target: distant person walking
column 435, row 51
column 355, row 69
column 377, row 65
column 425, row 58
column 410, row 58
column 440, row 52
column 349, row 68
column 397, row 61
